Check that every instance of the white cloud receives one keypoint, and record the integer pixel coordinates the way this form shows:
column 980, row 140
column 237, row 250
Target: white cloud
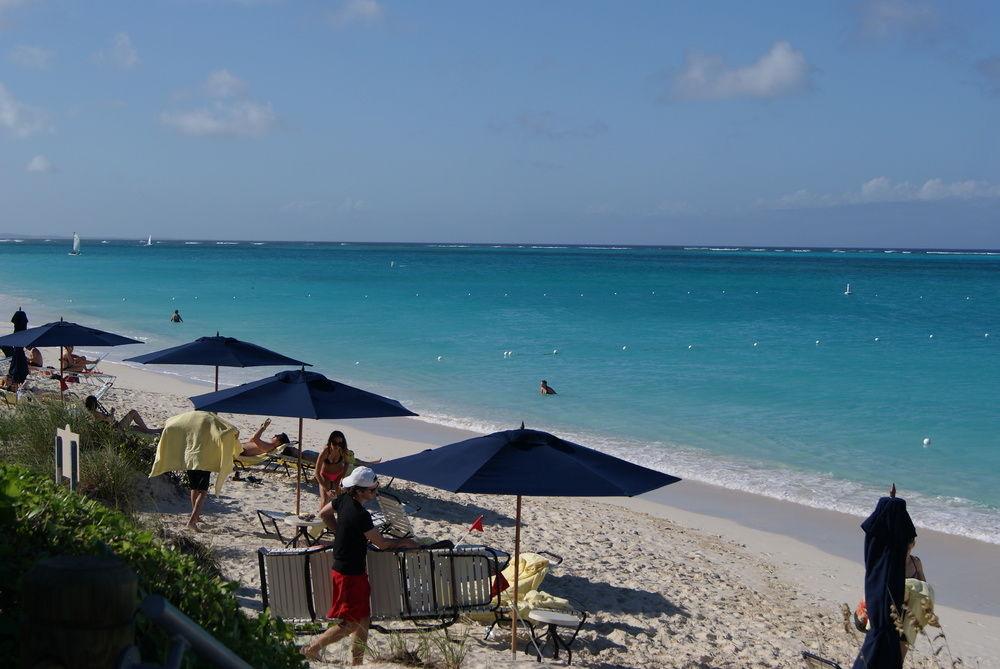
column 121, row 53
column 17, row 119
column 223, row 84
column 40, row 164
column 356, row 12
column 783, row 70
column 228, row 113
column 913, row 19
column 884, row 189
column 31, row 57
column 242, row 118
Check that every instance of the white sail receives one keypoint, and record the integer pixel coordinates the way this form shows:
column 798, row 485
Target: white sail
column 149, row 242
column 76, row 245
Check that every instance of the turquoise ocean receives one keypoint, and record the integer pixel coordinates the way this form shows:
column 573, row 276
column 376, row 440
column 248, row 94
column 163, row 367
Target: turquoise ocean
column 745, row 367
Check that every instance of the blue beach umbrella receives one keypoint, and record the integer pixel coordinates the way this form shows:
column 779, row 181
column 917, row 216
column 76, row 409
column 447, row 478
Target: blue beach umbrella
column 300, row 394
column 525, row 462
column 888, row 534
column 63, row 333
column 218, row 351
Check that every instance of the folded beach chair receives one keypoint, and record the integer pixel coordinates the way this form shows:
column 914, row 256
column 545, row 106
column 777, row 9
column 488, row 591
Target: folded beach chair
column 423, row 589
column 429, row 589
column 295, row 582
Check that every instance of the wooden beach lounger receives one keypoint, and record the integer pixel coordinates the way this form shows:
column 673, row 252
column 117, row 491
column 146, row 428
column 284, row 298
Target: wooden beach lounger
column 424, row 589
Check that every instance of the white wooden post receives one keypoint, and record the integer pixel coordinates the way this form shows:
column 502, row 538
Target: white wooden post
column 67, row 457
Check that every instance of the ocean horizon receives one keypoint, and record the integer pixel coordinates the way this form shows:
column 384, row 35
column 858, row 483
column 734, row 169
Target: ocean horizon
column 742, row 366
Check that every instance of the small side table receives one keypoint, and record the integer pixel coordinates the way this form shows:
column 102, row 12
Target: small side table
column 302, row 528
column 554, row 620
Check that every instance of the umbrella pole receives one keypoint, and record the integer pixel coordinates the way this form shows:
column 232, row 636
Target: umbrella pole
column 298, row 473
column 517, row 561
column 216, row 378
column 62, row 381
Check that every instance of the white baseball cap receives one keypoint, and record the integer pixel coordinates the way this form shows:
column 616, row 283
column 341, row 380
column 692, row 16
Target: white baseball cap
column 361, row 477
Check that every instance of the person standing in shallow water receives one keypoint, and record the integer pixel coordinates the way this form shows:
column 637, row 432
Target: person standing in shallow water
column 176, row 317
column 546, row 389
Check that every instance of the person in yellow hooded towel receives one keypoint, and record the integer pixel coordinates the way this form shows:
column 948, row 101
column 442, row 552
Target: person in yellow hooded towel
column 200, row 443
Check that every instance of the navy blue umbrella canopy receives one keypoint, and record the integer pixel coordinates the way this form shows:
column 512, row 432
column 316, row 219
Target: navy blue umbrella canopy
column 64, row 333
column 525, row 462
column 218, row 351
column 300, row 394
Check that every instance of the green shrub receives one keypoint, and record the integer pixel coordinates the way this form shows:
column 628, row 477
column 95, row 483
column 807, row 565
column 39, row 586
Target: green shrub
column 113, row 461
column 39, row 519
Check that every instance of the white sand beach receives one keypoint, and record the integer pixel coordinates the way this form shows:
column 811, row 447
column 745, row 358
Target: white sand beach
column 666, row 579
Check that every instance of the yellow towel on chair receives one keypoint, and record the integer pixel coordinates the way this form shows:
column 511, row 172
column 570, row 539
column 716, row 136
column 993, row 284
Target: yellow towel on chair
column 197, row 440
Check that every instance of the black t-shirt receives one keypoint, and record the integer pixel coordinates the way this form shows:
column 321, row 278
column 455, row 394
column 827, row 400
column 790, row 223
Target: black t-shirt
column 349, row 545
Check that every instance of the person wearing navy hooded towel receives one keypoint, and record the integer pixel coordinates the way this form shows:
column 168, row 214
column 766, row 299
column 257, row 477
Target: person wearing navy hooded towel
column 888, row 533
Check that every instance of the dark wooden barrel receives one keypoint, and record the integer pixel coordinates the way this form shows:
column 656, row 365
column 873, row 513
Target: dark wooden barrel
column 78, row 612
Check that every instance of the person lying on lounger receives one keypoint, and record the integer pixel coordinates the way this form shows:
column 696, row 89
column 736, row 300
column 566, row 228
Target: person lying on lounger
column 131, row 419
column 257, row 446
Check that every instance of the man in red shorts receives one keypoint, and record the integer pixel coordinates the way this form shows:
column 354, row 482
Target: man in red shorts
column 351, row 590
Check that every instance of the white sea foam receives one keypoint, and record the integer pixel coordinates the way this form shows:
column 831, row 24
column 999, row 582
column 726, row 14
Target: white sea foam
column 951, row 515
column 192, row 243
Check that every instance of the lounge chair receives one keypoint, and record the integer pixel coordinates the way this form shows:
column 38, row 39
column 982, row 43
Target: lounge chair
column 269, row 522
column 390, row 516
column 271, row 461
column 813, row 660
column 533, row 570
column 425, row 589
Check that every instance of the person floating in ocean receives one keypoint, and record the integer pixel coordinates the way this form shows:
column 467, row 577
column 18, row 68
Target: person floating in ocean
column 176, row 317
column 351, row 590
column 546, row 389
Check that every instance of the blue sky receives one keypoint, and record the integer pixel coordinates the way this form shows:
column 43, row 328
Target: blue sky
column 864, row 123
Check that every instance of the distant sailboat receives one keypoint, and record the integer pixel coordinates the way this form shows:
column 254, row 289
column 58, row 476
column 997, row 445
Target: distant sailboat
column 76, row 245
column 848, row 291
column 149, row 242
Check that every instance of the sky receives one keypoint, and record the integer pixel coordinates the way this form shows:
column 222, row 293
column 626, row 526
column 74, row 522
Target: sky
column 869, row 123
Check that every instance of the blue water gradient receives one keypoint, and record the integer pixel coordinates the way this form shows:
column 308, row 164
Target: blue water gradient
column 656, row 348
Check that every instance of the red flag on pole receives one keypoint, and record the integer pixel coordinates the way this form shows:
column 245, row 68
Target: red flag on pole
column 477, row 525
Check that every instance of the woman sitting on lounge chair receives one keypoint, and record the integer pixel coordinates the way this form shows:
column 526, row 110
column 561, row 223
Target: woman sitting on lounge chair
column 333, row 464
column 131, row 419
column 74, row 363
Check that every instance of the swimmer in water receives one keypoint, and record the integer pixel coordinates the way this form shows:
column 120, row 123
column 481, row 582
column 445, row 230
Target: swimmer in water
column 176, row 317
column 546, row 389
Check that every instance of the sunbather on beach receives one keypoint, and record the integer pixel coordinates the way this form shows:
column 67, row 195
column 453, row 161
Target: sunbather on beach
column 34, row 357
column 351, row 589
column 258, row 446
column 72, row 362
column 334, row 463
column 130, row 419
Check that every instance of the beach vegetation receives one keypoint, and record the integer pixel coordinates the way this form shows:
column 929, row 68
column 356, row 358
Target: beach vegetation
column 114, row 462
column 39, row 519
column 435, row 649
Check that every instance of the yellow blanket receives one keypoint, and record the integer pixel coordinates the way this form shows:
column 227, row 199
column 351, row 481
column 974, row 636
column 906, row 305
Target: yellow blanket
column 530, row 574
column 197, row 440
